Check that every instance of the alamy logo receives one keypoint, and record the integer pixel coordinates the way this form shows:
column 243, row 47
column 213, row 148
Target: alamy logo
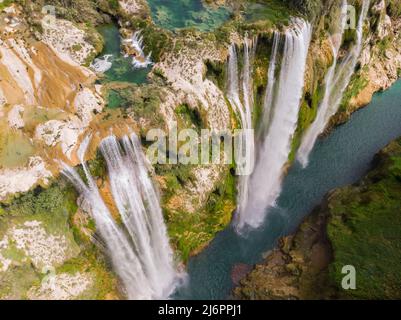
column 49, row 13
column 49, row 280
column 349, row 280
column 350, row 22
column 190, row 147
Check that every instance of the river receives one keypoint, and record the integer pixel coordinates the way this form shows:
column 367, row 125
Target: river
column 340, row 159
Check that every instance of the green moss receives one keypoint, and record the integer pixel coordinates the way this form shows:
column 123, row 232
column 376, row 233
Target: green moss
column 15, row 284
column 394, row 8
column 113, row 4
column 190, row 232
column 357, row 84
column 79, row 11
column 307, row 115
column 5, row 3
column 364, row 230
column 180, row 174
column 189, row 117
column 54, row 208
column 139, row 101
column 55, row 200
column 97, row 166
column 76, row 47
column 217, row 72
column 276, row 12
column 13, row 253
column 91, row 262
column 384, row 44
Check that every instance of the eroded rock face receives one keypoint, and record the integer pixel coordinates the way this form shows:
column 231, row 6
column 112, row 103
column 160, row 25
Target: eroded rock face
column 30, row 242
column 380, row 58
column 62, row 287
column 297, row 269
column 45, row 94
column 67, row 40
column 22, row 179
column 134, row 7
column 185, row 72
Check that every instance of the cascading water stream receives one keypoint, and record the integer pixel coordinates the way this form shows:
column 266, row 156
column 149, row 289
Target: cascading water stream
column 269, row 95
column 337, row 81
column 264, row 184
column 244, row 107
column 141, row 60
column 142, row 256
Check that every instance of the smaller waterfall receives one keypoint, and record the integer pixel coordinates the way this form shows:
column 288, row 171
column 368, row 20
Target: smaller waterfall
column 336, row 82
column 273, row 151
column 243, row 107
column 269, row 95
column 102, row 64
column 139, row 61
column 142, row 256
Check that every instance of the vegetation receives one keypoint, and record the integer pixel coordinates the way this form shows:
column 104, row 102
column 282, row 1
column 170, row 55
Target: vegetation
column 274, row 11
column 356, row 225
column 156, row 40
column 364, row 229
column 79, row 11
column 54, row 207
column 5, row 3
column 190, row 232
column 357, row 84
column 58, row 199
column 139, row 101
column 394, row 8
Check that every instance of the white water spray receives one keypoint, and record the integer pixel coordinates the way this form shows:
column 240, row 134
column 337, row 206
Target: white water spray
column 336, row 82
column 102, row 64
column 269, row 95
column 141, row 257
column 140, row 60
column 243, row 107
column 272, row 155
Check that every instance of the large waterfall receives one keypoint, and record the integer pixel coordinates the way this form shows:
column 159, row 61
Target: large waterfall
column 242, row 107
column 337, row 81
column 139, row 249
column 264, row 185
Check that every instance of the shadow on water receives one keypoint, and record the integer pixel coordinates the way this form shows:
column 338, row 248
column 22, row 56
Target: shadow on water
column 340, row 159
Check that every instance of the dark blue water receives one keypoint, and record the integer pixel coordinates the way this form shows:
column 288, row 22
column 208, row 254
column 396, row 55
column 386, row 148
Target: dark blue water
column 340, row 159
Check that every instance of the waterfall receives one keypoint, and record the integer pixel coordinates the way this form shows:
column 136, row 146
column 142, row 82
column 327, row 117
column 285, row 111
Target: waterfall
column 139, row 249
column 102, row 64
column 243, row 109
column 264, row 184
column 268, row 100
column 336, row 82
column 139, row 61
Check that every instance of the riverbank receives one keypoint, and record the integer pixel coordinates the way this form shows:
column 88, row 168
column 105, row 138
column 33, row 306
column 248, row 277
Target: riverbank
column 356, row 225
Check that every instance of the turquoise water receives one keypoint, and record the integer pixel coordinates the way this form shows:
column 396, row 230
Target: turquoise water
column 340, row 159
column 178, row 14
column 121, row 69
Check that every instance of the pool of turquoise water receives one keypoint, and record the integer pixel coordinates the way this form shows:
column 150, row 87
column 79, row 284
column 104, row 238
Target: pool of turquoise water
column 122, row 69
column 178, row 14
